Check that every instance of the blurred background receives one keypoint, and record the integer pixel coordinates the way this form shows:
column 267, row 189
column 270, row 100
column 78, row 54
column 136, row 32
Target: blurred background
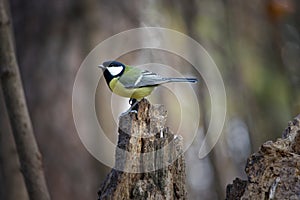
column 255, row 44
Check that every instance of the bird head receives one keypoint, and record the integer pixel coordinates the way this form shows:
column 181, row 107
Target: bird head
column 113, row 67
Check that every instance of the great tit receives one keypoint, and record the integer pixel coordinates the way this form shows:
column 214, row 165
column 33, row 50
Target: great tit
column 132, row 82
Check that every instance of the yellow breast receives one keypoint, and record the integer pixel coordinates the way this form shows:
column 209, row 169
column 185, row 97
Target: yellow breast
column 137, row 93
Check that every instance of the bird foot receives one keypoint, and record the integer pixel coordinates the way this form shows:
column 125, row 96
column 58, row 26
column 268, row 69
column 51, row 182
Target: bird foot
column 129, row 111
column 133, row 108
column 134, row 104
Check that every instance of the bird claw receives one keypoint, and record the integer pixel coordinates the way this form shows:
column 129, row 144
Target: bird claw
column 129, row 111
column 133, row 111
column 133, row 108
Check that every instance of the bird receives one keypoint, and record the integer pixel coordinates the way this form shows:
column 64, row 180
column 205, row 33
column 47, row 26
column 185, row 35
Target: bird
column 132, row 82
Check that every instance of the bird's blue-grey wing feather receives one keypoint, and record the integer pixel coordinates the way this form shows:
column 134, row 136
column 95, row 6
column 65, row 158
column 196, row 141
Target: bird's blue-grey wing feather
column 135, row 78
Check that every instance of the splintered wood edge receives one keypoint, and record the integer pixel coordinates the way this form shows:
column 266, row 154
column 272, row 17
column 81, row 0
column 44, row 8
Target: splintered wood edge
column 154, row 115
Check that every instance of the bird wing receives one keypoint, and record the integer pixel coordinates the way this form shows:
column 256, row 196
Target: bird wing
column 136, row 78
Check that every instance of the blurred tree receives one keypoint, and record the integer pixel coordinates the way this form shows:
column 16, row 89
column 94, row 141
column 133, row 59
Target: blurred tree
column 12, row 183
column 52, row 40
column 28, row 152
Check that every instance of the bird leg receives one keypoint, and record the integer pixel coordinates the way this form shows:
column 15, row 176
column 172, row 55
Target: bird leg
column 133, row 108
column 134, row 105
column 132, row 101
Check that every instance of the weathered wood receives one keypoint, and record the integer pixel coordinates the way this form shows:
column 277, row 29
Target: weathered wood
column 152, row 165
column 274, row 171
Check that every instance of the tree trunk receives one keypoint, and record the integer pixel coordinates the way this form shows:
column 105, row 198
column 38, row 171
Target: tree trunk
column 29, row 155
column 149, row 158
column 273, row 172
column 12, row 182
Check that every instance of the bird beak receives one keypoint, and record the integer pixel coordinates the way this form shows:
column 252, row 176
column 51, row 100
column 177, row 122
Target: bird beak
column 102, row 67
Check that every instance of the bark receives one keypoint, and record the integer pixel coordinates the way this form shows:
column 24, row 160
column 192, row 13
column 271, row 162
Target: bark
column 29, row 155
column 12, row 182
column 139, row 175
column 273, row 172
column 190, row 13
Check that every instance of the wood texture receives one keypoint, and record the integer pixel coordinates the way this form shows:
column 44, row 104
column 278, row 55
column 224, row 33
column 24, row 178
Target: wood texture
column 273, row 172
column 11, row 176
column 152, row 165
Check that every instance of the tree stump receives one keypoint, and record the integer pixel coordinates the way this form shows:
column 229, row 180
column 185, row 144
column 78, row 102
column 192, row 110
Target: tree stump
column 149, row 161
column 274, row 171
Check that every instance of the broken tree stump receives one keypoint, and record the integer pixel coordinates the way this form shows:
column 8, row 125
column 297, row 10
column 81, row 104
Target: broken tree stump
column 274, row 171
column 149, row 161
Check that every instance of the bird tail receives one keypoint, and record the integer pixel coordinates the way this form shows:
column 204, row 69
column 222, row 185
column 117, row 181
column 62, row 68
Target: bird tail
column 191, row 80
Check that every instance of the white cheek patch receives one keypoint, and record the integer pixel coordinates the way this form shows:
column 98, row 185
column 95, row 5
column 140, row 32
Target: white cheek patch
column 115, row 70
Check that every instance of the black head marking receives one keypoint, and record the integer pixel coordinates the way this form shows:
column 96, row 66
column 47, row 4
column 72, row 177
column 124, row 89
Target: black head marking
column 111, row 66
column 113, row 63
